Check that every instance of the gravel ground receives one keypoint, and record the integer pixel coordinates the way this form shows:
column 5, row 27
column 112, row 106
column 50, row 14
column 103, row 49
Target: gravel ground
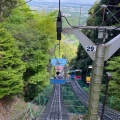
column 75, row 117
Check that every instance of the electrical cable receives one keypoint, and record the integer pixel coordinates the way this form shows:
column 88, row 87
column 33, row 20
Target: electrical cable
column 59, row 5
column 59, row 48
column 69, row 23
column 54, row 53
column 93, row 16
column 59, row 26
column 84, row 23
column 103, row 22
column 103, row 16
column 109, row 19
column 113, row 15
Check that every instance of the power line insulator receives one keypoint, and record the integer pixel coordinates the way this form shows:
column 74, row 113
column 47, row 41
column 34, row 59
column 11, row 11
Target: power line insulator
column 59, row 26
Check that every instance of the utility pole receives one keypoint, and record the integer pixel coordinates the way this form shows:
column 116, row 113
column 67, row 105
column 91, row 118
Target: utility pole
column 98, row 53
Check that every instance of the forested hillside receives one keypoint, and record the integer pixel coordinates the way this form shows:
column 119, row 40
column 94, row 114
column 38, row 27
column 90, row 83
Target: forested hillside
column 27, row 40
column 82, row 61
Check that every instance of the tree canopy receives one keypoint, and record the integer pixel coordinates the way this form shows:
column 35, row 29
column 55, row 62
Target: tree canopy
column 28, row 35
column 11, row 66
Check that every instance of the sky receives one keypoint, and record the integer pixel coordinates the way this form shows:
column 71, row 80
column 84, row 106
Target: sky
column 75, row 1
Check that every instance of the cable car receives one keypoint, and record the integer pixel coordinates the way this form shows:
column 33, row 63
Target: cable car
column 71, row 73
column 78, row 75
column 88, row 74
column 58, row 78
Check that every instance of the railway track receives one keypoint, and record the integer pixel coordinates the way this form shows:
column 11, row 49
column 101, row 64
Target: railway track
column 55, row 109
column 109, row 114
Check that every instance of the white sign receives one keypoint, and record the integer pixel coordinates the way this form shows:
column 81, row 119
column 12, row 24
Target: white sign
column 91, row 48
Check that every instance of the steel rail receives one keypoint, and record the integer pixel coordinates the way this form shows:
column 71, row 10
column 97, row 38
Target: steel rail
column 55, row 108
column 109, row 114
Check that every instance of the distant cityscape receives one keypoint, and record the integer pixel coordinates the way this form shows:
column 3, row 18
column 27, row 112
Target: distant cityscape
column 69, row 10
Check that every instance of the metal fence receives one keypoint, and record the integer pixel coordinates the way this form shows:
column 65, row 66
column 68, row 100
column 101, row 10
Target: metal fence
column 36, row 106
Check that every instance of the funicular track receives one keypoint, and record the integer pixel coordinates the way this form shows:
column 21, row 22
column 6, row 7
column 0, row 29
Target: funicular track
column 109, row 114
column 55, row 109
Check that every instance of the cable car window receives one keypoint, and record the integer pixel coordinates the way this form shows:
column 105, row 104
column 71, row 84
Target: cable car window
column 78, row 75
column 71, row 73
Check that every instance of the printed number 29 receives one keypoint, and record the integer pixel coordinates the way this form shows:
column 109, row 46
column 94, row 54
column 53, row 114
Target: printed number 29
column 90, row 48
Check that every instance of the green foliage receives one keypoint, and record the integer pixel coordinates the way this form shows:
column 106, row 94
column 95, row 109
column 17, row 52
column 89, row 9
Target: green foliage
column 114, row 68
column 35, row 35
column 66, row 51
column 114, row 84
column 17, row 17
column 11, row 65
column 6, row 7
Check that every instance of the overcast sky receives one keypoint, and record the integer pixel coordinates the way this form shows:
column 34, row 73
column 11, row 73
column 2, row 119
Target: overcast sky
column 74, row 1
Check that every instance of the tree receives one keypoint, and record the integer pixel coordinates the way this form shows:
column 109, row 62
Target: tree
column 6, row 7
column 11, row 65
column 114, row 84
column 35, row 35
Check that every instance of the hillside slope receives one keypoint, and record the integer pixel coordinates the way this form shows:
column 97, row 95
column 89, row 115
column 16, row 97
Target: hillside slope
column 12, row 108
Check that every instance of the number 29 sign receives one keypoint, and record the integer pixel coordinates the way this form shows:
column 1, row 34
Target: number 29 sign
column 91, row 48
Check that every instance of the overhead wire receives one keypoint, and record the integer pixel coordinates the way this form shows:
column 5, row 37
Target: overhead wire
column 103, row 22
column 85, row 22
column 109, row 19
column 103, row 16
column 59, row 6
column 59, row 48
column 61, row 21
column 93, row 15
column 113, row 16
column 54, row 51
column 69, row 23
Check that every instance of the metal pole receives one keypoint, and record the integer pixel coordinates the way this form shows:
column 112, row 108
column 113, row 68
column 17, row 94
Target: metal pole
column 103, row 53
column 95, row 82
column 59, row 5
